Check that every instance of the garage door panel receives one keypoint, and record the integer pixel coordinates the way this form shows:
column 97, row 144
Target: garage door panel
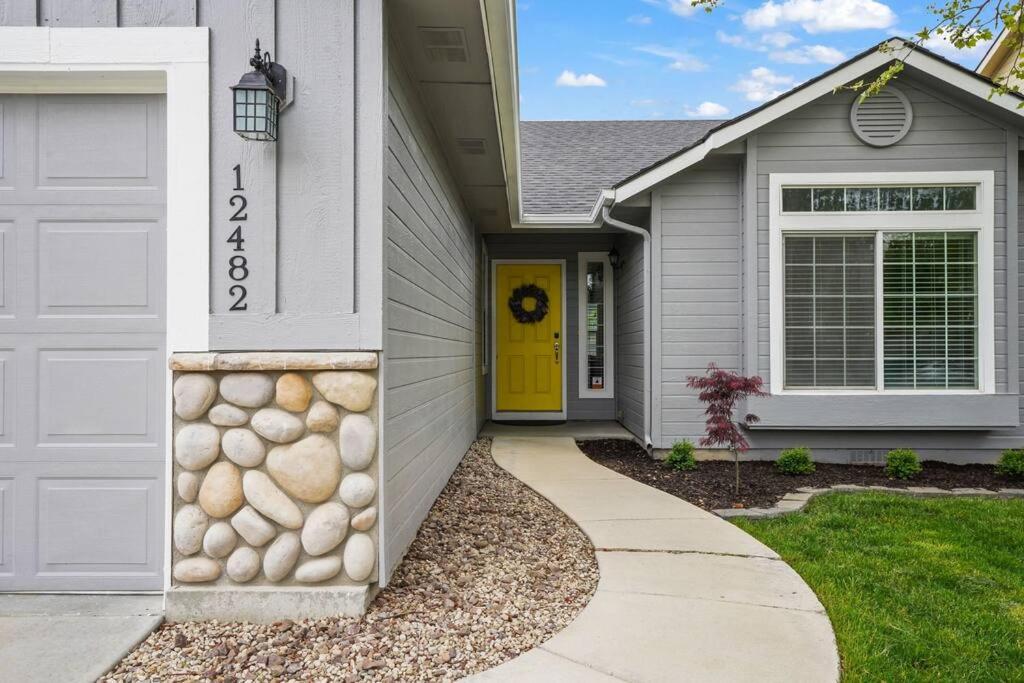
column 8, row 398
column 99, row 396
column 84, row 526
column 97, row 141
column 7, row 254
column 99, row 268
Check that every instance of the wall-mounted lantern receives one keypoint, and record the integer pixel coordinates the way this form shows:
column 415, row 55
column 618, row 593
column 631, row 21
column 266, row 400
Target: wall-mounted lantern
column 259, row 97
column 614, row 259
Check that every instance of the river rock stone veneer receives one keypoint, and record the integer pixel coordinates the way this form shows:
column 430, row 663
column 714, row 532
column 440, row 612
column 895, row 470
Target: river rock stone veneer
column 275, row 473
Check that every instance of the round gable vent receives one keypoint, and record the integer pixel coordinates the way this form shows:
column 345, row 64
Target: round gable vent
column 883, row 119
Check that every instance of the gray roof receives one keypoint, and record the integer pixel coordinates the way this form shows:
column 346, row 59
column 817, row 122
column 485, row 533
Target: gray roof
column 566, row 164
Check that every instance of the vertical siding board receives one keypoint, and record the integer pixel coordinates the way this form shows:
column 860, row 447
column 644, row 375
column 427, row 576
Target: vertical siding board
column 1010, row 279
column 77, row 13
column 430, row 371
column 316, row 193
column 234, row 27
column 18, row 13
column 156, row 12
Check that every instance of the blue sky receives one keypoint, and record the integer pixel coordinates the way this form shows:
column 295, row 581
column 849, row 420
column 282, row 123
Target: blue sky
column 639, row 59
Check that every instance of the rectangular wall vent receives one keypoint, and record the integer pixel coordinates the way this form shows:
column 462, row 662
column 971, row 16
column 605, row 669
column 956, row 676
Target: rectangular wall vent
column 471, row 146
column 444, row 45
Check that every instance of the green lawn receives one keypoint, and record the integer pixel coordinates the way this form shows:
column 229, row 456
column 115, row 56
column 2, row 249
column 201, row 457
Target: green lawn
column 917, row 589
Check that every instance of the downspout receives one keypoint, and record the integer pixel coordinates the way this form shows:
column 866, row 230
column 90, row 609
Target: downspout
column 606, row 214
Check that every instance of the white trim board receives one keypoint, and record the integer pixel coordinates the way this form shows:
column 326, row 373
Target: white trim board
column 174, row 61
column 608, row 391
column 980, row 220
column 508, row 415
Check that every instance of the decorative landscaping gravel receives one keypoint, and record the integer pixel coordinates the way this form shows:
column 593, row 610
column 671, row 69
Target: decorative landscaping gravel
column 494, row 571
column 712, row 485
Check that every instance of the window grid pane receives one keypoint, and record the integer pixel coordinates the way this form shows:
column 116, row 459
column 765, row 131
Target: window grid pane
column 881, row 198
column 930, row 303
column 829, row 311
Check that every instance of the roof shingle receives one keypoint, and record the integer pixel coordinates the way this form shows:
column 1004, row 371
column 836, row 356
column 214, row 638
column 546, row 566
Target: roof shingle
column 566, row 164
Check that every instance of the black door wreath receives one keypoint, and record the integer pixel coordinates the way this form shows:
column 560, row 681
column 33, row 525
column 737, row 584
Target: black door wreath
column 540, row 309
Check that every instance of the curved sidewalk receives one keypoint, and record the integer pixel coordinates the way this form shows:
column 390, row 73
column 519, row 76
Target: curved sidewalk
column 683, row 594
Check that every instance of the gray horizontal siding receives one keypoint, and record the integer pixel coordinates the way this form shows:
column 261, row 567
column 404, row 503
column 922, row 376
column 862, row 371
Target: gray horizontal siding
column 429, row 373
column 566, row 247
column 699, row 239
column 629, row 335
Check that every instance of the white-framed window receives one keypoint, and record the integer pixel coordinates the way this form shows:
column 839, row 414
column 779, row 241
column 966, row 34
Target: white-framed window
column 882, row 283
column 596, row 326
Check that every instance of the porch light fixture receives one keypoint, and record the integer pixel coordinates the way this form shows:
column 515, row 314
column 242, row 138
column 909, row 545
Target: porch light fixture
column 614, row 259
column 259, row 97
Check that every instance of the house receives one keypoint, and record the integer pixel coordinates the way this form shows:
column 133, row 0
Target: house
column 209, row 292
column 1000, row 58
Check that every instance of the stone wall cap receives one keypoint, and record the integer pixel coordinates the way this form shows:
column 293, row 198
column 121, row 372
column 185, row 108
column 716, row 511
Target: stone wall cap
column 273, row 360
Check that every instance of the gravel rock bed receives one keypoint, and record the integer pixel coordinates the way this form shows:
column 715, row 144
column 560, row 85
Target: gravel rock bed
column 494, row 571
column 712, row 485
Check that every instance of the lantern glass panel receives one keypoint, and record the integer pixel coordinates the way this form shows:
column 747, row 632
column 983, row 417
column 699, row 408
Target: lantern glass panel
column 255, row 114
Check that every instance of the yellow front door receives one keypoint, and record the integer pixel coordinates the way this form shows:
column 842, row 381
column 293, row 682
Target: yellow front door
column 530, row 354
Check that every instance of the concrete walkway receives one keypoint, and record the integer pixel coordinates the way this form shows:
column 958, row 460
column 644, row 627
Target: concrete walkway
column 71, row 638
column 683, row 594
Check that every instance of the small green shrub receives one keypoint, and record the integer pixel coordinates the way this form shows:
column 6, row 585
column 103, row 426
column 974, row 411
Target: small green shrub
column 1011, row 463
column 902, row 463
column 795, row 461
column 681, row 456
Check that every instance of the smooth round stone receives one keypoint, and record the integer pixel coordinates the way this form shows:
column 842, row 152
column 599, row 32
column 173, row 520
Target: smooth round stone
column 247, row 389
column 243, row 565
column 197, row 570
column 188, row 486
column 220, row 539
column 325, row 528
column 196, row 446
column 227, row 415
column 281, row 556
column 270, row 501
column 243, row 447
column 252, row 527
column 322, row 417
column 359, row 556
column 321, row 569
column 357, row 490
column 309, row 469
column 365, row 520
column 277, row 425
column 193, row 394
column 358, row 439
column 350, row 389
column 189, row 526
column 293, row 392
column 221, row 492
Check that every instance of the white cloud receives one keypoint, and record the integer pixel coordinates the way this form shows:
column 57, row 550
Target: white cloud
column 942, row 45
column 780, row 39
column 821, row 16
column 735, row 41
column 682, row 8
column 708, row 109
column 569, row 79
column 639, row 19
column 763, row 84
column 678, row 60
column 809, row 54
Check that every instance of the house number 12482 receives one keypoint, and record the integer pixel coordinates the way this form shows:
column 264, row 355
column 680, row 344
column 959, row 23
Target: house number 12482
column 238, row 264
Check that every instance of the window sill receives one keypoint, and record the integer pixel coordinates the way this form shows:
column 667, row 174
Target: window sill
column 872, row 411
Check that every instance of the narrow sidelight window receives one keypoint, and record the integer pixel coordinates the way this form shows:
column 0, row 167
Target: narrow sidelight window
column 596, row 333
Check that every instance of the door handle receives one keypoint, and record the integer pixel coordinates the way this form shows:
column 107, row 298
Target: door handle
column 557, row 347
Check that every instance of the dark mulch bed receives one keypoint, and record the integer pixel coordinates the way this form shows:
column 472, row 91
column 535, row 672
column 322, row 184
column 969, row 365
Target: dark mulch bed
column 712, row 484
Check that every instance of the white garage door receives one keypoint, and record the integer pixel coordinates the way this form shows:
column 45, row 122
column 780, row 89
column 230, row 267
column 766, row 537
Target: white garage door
column 82, row 198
